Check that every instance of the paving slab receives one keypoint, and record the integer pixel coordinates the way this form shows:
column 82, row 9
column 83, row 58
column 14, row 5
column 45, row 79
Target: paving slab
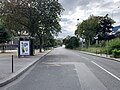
column 20, row 65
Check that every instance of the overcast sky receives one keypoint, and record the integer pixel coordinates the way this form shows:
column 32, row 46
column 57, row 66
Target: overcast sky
column 82, row 9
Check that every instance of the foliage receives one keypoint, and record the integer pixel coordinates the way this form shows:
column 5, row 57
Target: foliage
column 5, row 36
column 4, row 33
column 48, row 41
column 113, row 44
column 105, row 27
column 88, row 28
column 110, row 47
column 58, row 42
column 97, row 50
column 36, row 17
column 116, row 53
column 71, row 42
column 95, row 26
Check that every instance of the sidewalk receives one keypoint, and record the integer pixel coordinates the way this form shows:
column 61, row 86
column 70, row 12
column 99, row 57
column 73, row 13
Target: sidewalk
column 20, row 65
column 102, row 56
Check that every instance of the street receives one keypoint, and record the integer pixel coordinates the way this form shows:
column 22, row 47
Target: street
column 64, row 69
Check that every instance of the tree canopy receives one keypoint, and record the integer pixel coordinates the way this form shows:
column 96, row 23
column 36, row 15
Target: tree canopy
column 89, row 28
column 71, row 42
column 4, row 34
column 105, row 29
column 34, row 17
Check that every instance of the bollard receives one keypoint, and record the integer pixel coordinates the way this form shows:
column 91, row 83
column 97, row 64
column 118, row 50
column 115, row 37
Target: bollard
column 12, row 65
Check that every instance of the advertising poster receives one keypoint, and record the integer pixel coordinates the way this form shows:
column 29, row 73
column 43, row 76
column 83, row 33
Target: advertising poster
column 24, row 48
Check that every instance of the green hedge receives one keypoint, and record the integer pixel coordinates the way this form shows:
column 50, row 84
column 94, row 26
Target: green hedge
column 71, row 43
column 112, row 45
column 116, row 53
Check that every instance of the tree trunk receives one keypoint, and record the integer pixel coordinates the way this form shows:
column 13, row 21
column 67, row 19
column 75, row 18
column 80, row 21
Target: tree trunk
column 40, row 44
column 40, row 49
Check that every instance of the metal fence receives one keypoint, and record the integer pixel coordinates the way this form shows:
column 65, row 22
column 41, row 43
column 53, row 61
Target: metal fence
column 8, row 47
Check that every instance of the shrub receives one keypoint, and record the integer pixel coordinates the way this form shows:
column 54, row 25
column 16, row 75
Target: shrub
column 112, row 45
column 72, row 42
column 116, row 53
column 97, row 50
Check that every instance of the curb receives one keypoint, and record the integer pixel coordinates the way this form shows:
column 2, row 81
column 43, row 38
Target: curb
column 20, row 72
column 100, row 56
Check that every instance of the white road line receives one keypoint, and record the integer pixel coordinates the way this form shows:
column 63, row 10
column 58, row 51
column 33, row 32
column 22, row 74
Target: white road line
column 106, row 70
column 87, row 79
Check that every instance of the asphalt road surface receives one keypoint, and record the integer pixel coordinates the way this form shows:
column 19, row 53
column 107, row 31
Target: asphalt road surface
column 64, row 69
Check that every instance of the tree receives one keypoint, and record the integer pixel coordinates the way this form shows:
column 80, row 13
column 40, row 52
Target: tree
column 36, row 17
column 88, row 28
column 49, row 22
column 105, row 29
column 4, row 35
column 59, row 42
column 20, row 16
column 72, row 42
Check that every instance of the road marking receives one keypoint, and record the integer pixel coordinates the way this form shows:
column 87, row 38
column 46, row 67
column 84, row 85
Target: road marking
column 87, row 79
column 106, row 70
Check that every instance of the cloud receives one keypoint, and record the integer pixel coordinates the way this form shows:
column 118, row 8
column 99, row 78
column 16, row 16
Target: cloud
column 65, row 33
column 82, row 9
